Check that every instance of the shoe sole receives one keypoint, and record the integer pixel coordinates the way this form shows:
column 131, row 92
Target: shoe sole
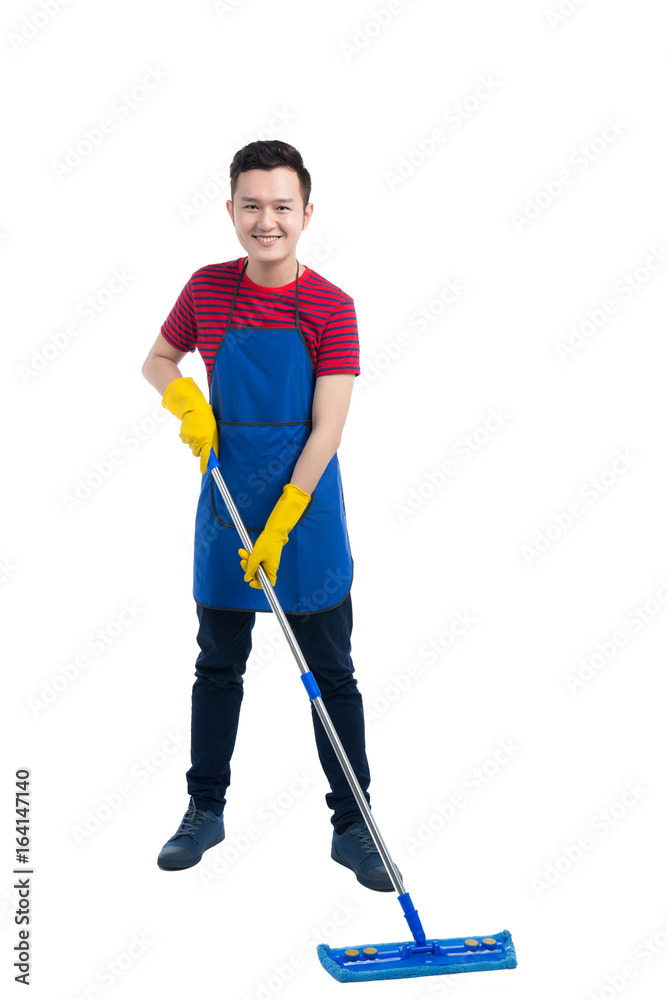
column 363, row 879
column 196, row 858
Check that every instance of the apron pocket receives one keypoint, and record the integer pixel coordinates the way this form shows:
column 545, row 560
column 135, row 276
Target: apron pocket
column 256, row 461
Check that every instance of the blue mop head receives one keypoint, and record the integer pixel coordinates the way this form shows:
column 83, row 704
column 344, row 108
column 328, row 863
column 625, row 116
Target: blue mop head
column 404, row 959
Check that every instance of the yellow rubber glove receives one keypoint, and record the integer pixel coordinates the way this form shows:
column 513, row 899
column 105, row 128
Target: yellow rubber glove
column 199, row 428
column 268, row 548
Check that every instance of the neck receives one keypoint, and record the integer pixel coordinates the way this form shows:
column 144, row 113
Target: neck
column 273, row 275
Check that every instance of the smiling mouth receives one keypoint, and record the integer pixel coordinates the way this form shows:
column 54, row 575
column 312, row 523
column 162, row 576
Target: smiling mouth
column 266, row 240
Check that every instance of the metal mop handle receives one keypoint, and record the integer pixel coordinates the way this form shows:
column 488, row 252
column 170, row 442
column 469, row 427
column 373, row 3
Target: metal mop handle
column 311, row 687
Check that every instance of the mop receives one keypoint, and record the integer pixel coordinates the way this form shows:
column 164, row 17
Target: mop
column 403, row 959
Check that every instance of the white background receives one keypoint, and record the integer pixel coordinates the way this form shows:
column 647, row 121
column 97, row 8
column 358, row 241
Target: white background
column 551, row 843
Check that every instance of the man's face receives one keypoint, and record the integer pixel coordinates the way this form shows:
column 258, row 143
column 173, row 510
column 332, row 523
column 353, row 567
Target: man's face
column 269, row 203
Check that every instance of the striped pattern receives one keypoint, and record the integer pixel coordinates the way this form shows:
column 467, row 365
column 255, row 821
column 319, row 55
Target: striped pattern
column 326, row 315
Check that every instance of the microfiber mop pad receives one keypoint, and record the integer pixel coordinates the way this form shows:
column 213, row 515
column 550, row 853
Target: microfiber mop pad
column 402, row 960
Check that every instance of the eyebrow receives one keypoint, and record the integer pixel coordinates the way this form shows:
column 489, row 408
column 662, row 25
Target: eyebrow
column 246, row 197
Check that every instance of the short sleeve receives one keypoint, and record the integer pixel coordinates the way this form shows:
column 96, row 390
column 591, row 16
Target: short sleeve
column 339, row 344
column 180, row 326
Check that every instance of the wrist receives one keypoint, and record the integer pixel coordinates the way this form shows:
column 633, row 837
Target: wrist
column 288, row 509
column 296, row 492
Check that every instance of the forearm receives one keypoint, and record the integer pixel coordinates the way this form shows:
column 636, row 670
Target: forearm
column 318, row 451
column 160, row 372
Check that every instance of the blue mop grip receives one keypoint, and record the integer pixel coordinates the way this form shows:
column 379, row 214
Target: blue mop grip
column 412, row 917
column 213, row 462
column 310, row 685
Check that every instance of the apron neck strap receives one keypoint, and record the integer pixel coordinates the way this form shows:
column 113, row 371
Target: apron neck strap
column 238, row 285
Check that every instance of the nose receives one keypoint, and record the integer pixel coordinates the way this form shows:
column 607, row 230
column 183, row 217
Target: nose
column 267, row 219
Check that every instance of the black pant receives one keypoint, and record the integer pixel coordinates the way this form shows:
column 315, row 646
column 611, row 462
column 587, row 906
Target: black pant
column 224, row 638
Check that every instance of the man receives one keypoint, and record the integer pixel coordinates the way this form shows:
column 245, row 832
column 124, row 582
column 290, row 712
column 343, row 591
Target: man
column 281, row 349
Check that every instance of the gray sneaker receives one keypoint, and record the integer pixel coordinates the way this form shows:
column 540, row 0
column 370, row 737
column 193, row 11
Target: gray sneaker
column 356, row 850
column 199, row 830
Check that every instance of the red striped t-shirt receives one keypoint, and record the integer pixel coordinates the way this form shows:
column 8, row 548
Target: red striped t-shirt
column 327, row 316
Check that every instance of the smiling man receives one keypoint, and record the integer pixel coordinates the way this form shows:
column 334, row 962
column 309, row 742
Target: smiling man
column 281, row 350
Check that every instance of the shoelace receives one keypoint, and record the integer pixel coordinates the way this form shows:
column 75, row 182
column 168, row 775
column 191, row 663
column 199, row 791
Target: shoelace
column 362, row 835
column 190, row 821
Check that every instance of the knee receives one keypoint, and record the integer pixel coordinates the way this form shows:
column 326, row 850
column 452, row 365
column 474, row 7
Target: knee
column 337, row 686
column 222, row 675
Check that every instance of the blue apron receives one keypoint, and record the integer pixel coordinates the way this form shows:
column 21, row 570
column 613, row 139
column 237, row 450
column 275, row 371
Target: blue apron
column 261, row 392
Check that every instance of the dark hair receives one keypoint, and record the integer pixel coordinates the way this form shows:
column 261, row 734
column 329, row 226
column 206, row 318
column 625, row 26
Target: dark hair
column 267, row 155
